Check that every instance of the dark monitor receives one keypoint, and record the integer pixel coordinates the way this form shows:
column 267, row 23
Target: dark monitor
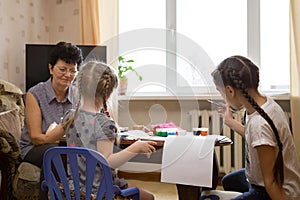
column 37, row 60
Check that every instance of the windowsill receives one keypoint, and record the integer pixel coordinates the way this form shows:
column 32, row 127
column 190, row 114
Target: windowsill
column 161, row 96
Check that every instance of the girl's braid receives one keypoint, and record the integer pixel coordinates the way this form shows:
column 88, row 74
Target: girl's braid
column 68, row 123
column 95, row 80
column 238, row 83
column 107, row 82
column 106, row 86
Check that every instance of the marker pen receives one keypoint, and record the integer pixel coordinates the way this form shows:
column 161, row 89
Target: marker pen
column 220, row 105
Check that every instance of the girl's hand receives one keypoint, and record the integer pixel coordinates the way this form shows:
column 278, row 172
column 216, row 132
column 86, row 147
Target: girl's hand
column 229, row 120
column 226, row 113
column 142, row 147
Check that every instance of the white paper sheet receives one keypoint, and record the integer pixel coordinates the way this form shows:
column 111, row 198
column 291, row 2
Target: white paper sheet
column 188, row 160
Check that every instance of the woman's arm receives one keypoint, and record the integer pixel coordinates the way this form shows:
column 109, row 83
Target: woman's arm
column 105, row 147
column 34, row 120
column 267, row 156
column 34, row 124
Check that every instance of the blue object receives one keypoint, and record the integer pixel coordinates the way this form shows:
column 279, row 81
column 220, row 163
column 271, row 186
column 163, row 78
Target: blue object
column 209, row 197
column 55, row 166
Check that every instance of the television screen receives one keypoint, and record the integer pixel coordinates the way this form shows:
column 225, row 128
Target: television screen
column 37, row 60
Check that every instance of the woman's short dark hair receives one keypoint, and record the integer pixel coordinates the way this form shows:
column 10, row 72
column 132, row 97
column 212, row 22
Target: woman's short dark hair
column 67, row 52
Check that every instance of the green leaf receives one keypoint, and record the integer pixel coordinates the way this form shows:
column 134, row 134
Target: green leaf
column 121, row 58
column 129, row 68
column 124, row 66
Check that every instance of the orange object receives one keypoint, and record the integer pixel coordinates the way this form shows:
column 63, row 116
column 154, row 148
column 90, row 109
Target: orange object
column 204, row 131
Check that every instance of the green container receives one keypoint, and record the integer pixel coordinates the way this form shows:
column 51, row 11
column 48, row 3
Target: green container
column 164, row 133
column 158, row 132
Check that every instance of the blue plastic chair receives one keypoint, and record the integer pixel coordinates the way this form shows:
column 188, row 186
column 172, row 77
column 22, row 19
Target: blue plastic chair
column 55, row 172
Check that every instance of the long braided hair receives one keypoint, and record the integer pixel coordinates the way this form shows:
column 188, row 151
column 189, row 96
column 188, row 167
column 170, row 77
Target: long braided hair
column 242, row 74
column 94, row 80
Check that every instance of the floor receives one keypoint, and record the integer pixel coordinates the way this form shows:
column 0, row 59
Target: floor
column 162, row 191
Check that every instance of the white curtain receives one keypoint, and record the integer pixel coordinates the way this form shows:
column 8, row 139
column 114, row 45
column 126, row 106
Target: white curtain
column 295, row 70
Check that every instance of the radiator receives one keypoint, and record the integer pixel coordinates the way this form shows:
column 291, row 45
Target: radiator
column 230, row 157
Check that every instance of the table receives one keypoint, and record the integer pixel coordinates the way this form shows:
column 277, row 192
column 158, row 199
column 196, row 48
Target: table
column 188, row 192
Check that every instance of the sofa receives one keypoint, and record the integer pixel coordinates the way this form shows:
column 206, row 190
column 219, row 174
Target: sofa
column 11, row 123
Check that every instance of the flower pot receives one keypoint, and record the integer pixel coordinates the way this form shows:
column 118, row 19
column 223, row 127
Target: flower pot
column 123, row 83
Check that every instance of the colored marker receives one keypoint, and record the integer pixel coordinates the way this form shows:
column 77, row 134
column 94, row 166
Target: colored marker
column 220, row 105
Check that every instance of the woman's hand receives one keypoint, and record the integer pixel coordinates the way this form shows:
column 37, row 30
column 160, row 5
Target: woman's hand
column 51, row 127
column 54, row 133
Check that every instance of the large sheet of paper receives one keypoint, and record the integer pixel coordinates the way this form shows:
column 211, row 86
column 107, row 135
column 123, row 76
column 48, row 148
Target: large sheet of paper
column 188, row 160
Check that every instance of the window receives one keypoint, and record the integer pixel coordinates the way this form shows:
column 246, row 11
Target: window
column 176, row 44
column 141, row 27
column 219, row 28
column 275, row 52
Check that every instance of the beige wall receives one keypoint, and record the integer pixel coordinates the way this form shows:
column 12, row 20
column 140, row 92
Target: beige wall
column 33, row 21
column 156, row 111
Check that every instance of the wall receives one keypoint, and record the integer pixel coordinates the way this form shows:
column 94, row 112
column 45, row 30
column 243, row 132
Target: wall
column 150, row 112
column 33, row 21
column 158, row 110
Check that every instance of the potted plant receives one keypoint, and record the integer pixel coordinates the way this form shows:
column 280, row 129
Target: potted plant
column 125, row 66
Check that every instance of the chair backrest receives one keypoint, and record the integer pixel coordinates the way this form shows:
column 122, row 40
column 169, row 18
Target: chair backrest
column 57, row 175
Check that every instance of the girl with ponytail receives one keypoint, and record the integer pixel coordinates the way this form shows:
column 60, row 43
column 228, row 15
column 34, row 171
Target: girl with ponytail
column 271, row 170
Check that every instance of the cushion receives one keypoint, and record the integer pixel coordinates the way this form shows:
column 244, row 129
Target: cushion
column 10, row 122
column 9, row 87
column 26, row 183
column 9, row 157
column 11, row 98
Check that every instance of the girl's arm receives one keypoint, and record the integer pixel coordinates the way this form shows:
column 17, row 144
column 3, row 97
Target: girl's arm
column 105, row 147
column 230, row 121
column 267, row 156
column 235, row 125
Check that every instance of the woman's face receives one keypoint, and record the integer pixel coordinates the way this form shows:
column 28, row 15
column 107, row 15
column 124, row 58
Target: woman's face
column 63, row 74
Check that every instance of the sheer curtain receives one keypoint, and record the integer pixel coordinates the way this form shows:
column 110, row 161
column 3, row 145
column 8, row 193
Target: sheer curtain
column 99, row 26
column 295, row 70
column 90, row 20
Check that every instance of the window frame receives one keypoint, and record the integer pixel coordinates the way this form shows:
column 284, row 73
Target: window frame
column 253, row 49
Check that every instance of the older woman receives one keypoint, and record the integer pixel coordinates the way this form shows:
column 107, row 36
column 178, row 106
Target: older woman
column 48, row 101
